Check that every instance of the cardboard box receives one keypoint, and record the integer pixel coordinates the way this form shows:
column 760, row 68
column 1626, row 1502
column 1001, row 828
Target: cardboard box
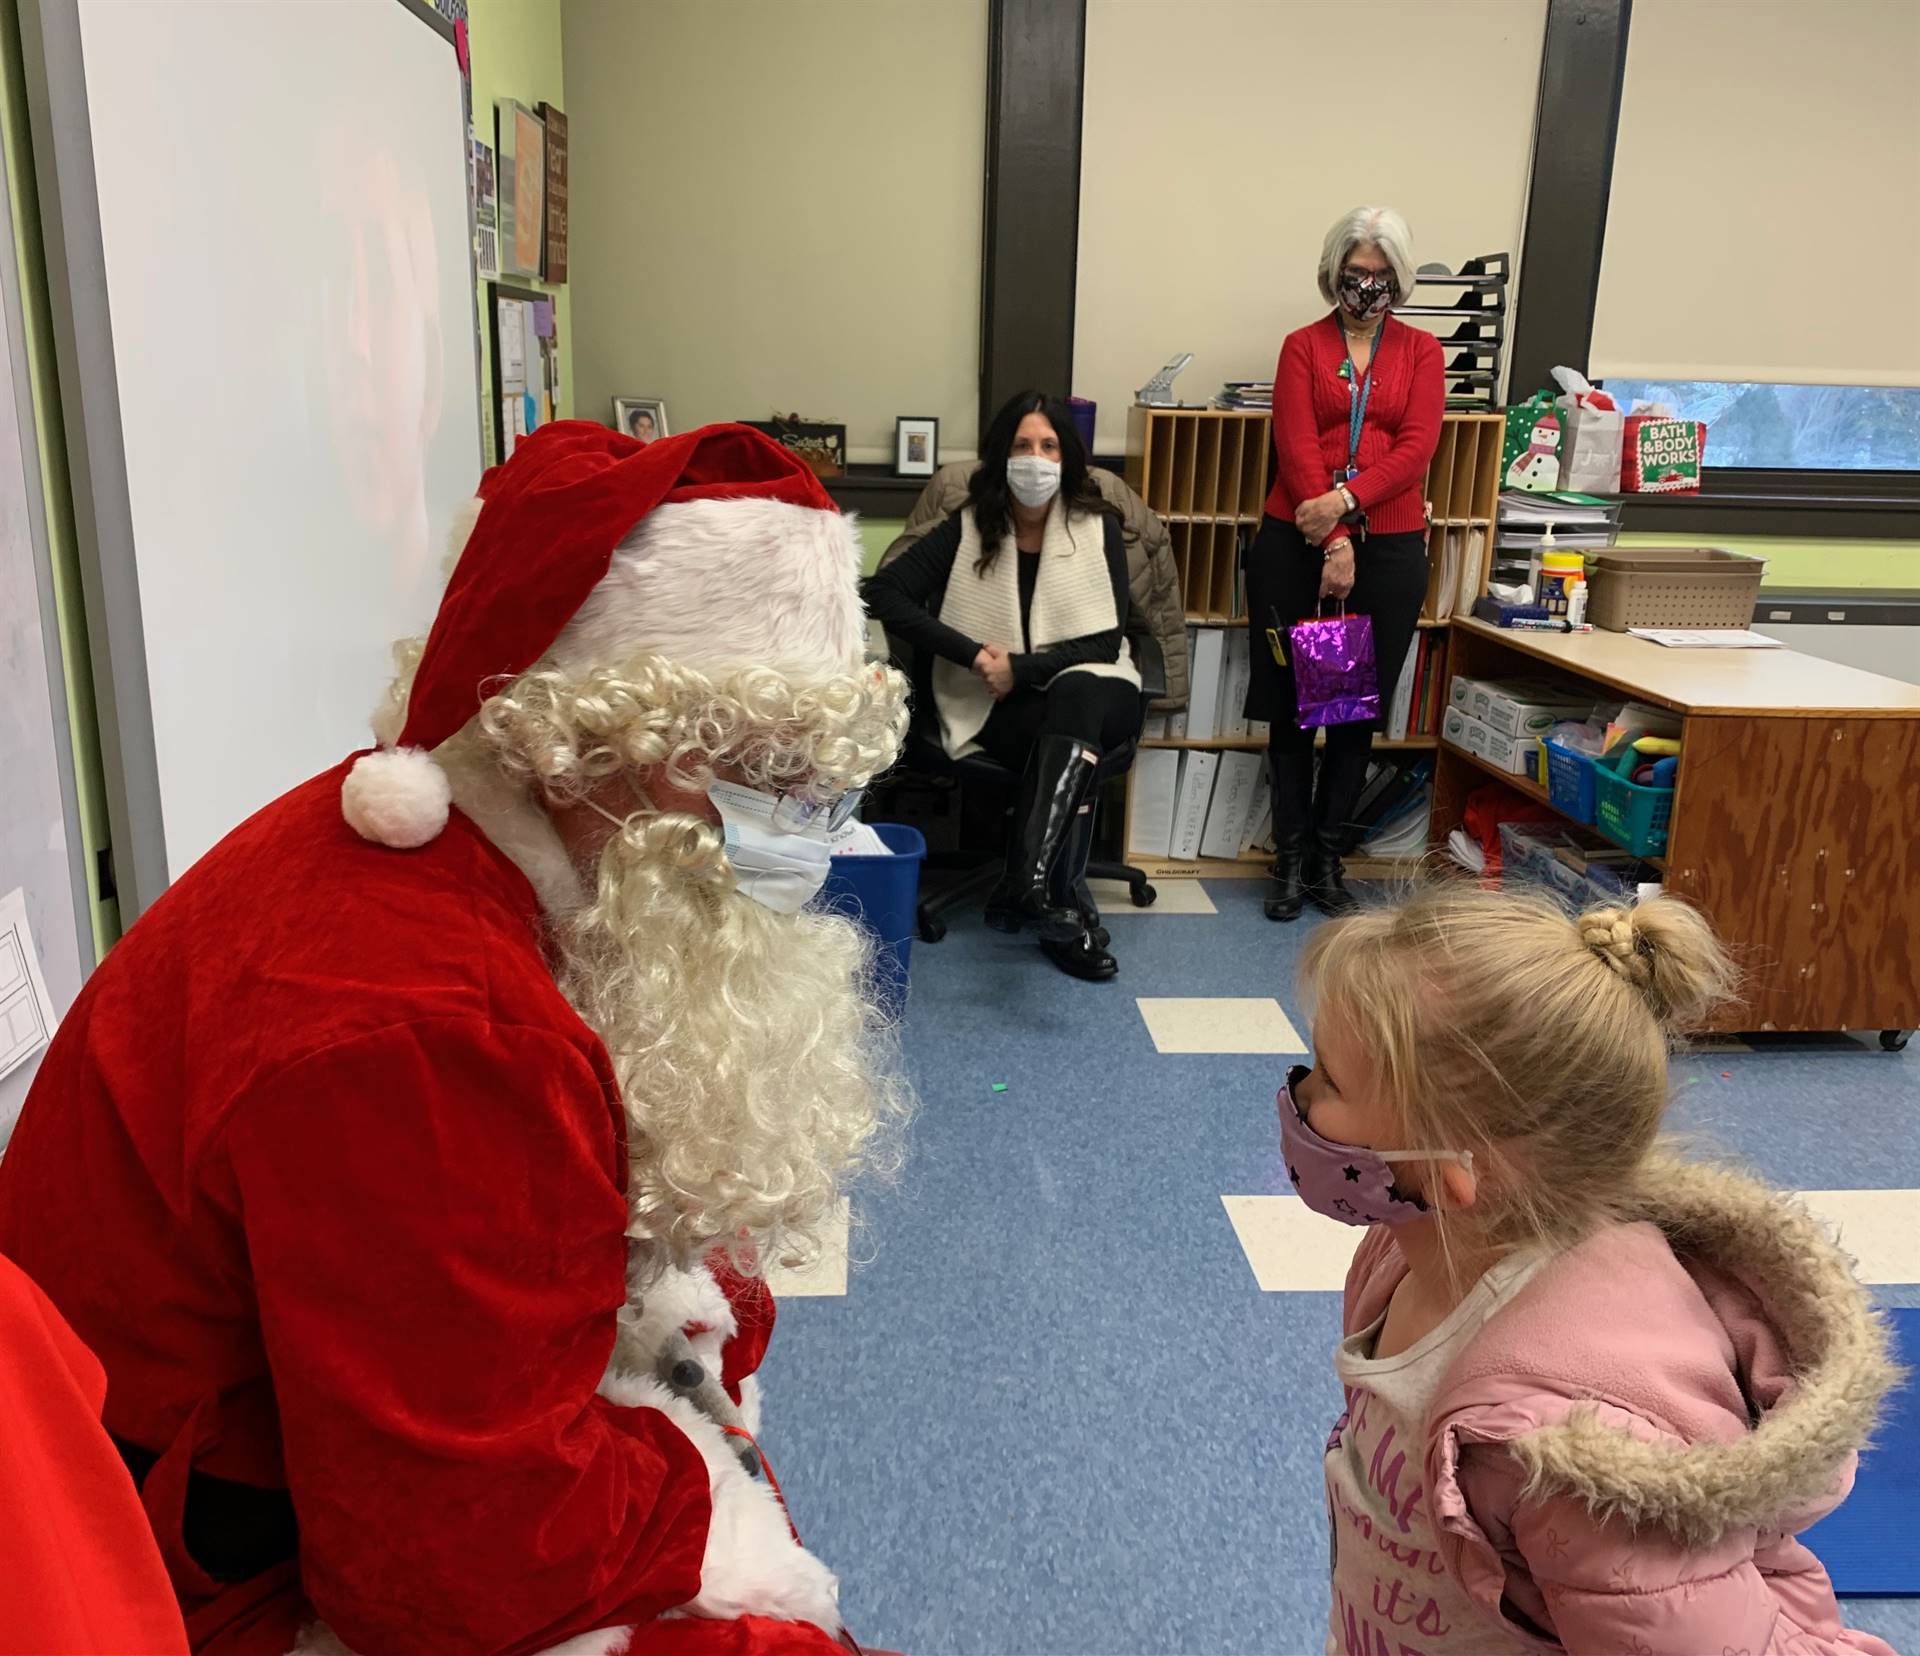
column 1529, row 709
column 1460, row 692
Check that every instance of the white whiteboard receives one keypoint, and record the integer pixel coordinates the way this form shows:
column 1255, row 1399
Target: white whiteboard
column 283, row 217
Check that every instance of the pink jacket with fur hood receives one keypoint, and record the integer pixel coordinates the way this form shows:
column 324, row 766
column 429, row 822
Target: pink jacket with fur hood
column 1620, row 1460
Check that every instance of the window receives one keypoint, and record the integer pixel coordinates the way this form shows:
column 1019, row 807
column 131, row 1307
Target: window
column 1793, row 427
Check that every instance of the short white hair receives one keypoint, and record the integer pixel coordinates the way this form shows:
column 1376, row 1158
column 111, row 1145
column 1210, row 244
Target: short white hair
column 1380, row 227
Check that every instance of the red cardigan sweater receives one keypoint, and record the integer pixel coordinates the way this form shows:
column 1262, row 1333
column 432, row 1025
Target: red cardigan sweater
column 1310, row 413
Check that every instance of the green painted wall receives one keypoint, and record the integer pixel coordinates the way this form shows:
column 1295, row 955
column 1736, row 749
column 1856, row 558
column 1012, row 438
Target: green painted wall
column 876, row 535
column 56, row 489
column 1836, row 565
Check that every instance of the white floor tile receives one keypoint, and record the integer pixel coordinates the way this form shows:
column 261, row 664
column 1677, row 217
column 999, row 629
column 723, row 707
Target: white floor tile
column 1175, row 897
column 1294, row 1251
column 1291, row 1248
column 1252, row 1024
column 1879, row 1229
column 826, row 1278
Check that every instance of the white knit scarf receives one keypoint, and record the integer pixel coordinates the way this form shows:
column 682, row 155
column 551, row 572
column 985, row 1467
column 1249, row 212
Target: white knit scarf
column 1072, row 597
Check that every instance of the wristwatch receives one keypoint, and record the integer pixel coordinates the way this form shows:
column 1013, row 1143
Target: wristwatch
column 1346, row 494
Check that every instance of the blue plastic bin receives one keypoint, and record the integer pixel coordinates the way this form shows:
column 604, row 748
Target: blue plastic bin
column 1570, row 787
column 883, row 895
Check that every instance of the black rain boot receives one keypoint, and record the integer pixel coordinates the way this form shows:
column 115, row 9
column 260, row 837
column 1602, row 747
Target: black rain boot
column 1086, row 956
column 1292, row 773
column 1343, row 775
column 1056, row 778
column 1289, row 894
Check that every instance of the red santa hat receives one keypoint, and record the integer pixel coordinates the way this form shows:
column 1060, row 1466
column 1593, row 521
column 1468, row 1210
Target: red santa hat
column 718, row 549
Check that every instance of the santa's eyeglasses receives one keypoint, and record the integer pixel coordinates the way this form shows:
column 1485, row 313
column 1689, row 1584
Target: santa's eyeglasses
column 798, row 810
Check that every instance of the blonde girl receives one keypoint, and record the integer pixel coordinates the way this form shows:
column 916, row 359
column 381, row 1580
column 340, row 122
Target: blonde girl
column 1593, row 1391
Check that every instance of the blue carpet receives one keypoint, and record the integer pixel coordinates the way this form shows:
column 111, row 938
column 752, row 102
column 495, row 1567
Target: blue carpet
column 1869, row 1545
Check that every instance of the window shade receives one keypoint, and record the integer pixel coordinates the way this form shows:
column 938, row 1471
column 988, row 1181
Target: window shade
column 1220, row 138
column 1765, row 218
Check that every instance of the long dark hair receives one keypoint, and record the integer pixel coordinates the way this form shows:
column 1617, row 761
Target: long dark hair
column 988, row 496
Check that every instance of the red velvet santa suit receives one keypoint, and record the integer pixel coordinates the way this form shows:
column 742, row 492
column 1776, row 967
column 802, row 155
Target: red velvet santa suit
column 330, row 1175
column 76, row 1559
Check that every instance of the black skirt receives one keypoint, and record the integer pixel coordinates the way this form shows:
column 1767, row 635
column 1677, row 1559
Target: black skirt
column 1283, row 582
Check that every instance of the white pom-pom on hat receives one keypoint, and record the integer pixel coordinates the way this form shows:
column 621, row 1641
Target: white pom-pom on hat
column 397, row 797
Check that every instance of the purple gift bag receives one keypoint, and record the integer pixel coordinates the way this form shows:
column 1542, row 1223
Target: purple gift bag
column 1334, row 678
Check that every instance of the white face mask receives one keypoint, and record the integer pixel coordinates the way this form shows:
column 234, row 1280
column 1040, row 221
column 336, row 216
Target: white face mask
column 1034, row 480
column 778, row 868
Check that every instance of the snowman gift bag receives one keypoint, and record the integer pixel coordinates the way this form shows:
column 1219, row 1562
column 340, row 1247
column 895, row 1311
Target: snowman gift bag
column 1530, row 458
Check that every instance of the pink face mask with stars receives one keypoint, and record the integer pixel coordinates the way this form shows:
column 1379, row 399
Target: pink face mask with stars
column 1349, row 1182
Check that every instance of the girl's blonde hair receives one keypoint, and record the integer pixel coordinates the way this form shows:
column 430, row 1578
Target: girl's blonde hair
column 1497, row 1024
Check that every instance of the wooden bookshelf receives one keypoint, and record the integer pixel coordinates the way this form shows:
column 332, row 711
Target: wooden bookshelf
column 1207, row 472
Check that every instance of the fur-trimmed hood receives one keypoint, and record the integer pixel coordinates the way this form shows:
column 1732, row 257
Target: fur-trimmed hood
column 1711, row 1366
column 1812, row 1361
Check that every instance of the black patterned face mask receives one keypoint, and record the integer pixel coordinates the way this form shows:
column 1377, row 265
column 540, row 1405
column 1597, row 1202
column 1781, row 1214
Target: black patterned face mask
column 1365, row 297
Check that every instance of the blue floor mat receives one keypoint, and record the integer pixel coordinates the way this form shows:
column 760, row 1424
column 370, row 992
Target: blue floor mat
column 1867, row 1546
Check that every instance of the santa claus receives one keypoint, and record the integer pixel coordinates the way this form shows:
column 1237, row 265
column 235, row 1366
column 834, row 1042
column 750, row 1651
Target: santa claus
column 410, row 1164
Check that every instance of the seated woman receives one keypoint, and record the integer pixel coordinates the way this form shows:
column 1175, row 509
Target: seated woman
column 1020, row 600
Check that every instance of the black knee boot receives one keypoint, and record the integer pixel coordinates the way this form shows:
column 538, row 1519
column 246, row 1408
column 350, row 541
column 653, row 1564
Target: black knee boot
column 1086, row 956
column 1058, row 772
column 1292, row 772
column 1343, row 775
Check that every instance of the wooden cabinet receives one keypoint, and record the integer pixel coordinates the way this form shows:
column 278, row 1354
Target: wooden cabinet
column 1796, row 821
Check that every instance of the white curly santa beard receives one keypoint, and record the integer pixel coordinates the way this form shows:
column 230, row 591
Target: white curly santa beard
column 747, row 1052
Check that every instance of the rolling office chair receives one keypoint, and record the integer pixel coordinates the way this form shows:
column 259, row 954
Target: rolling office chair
column 980, row 867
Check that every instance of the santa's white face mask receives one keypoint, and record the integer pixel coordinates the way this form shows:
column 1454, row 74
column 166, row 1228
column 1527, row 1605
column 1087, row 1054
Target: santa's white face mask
column 1034, row 480
column 780, row 868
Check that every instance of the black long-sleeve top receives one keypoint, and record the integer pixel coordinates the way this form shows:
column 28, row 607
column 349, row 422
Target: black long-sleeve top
column 906, row 596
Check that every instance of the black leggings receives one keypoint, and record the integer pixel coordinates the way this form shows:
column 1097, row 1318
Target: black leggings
column 1102, row 712
column 1283, row 580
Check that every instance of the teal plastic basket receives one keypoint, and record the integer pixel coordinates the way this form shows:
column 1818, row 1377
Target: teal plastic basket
column 1630, row 815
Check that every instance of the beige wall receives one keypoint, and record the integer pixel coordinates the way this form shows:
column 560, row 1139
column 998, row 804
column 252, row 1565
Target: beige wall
column 1222, row 137
column 1769, row 152
column 777, row 207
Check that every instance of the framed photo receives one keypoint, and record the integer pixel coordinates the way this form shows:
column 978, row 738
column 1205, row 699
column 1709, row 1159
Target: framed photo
column 821, row 446
column 554, row 250
column 916, row 445
column 641, row 417
column 520, row 141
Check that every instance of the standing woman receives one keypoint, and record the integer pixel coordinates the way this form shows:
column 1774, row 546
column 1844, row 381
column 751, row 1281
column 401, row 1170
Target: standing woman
column 1357, row 402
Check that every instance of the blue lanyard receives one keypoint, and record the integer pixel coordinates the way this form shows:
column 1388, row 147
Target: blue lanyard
column 1357, row 395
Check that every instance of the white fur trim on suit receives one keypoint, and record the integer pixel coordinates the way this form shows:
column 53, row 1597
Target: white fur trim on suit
column 752, row 1566
column 318, row 1639
column 459, row 532
column 1072, row 597
column 397, row 797
column 723, row 584
column 671, row 1302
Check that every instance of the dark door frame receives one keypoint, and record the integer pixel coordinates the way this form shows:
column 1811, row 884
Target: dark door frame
column 1030, row 247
